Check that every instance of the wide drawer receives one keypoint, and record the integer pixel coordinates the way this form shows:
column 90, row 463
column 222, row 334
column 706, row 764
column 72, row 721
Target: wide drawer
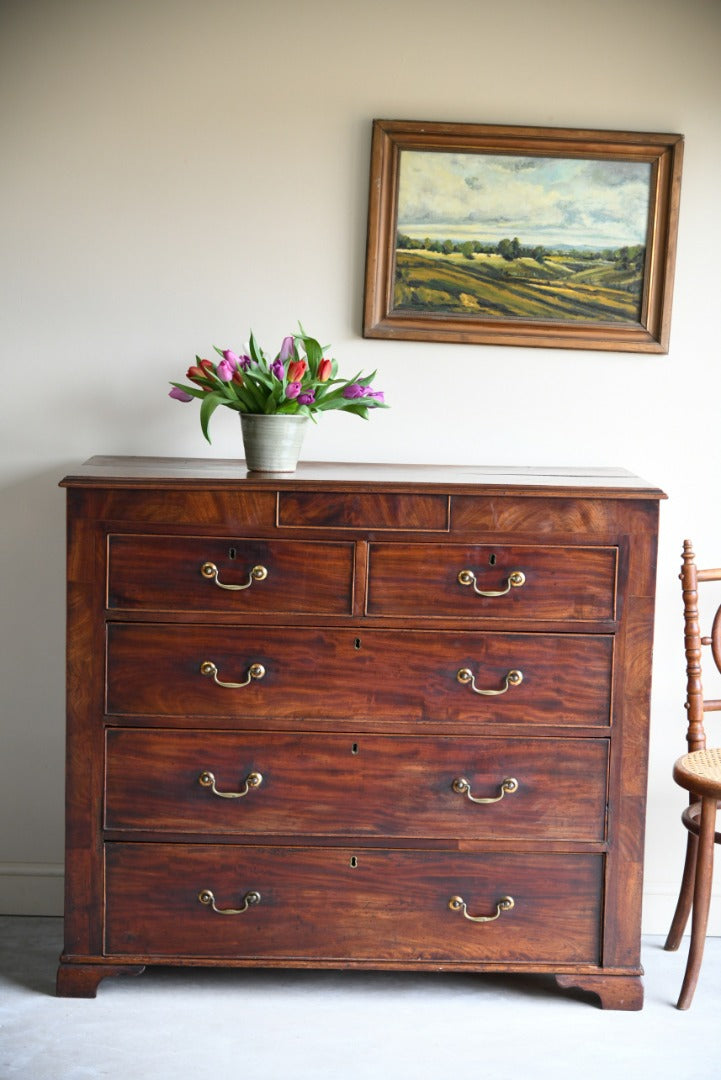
column 535, row 583
column 344, row 904
column 243, row 576
column 277, row 672
column 214, row 782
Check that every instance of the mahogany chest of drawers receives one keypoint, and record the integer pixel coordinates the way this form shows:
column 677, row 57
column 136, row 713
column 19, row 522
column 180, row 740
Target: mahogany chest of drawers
column 389, row 717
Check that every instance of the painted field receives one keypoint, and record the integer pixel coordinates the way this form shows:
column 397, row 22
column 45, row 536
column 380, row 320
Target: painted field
column 558, row 286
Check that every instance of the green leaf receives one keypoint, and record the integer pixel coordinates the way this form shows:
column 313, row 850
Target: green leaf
column 274, row 399
column 358, row 408
column 365, row 380
column 256, row 353
column 332, row 400
column 288, row 408
column 192, row 390
column 251, row 396
column 312, row 349
column 211, row 403
column 263, row 380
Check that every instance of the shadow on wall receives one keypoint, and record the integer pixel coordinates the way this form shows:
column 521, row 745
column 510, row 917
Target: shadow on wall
column 32, row 667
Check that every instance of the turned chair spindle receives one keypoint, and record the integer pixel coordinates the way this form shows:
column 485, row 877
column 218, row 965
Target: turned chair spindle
column 699, row 773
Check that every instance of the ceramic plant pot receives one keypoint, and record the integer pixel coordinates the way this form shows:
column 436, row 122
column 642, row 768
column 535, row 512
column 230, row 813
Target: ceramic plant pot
column 272, row 443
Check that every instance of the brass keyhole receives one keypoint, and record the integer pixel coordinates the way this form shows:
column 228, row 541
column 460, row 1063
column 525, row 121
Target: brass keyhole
column 492, row 559
column 353, row 862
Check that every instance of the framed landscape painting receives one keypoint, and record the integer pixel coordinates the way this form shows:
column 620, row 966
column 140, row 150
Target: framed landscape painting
column 522, row 236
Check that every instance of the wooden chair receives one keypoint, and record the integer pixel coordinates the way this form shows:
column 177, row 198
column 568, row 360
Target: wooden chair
column 699, row 772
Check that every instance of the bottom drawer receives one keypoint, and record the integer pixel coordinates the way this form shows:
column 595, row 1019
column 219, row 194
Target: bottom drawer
column 340, row 903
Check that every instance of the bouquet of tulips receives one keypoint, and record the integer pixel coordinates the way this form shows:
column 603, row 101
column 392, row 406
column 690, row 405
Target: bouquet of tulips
column 300, row 380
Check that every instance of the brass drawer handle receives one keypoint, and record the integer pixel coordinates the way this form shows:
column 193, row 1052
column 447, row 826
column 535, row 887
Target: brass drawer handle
column 255, row 671
column 514, row 581
column 457, row 903
column 513, row 678
column 252, row 780
column 206, row 897
column 210, row 571
column 462, row 787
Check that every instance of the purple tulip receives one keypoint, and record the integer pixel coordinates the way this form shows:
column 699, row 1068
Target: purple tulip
column 277, row 369
column 286, row 349
column 226, row 369
column 292, row 390
column 354, row 390
column 307, row 398
column 244, row 361
column 180, row 395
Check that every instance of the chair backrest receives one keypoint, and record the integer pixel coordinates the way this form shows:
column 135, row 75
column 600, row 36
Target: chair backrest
column 696, row 705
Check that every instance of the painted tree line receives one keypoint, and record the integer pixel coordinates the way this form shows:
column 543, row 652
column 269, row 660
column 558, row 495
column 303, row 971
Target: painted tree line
column 628, row 257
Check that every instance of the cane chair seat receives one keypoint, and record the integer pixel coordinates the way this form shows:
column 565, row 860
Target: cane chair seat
column 700, row 772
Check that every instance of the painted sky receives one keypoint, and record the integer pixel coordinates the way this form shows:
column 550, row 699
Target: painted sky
column 541, row 200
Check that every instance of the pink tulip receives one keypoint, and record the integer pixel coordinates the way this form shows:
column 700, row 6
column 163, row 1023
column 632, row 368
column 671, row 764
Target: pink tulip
column 226, row 370
column 286, row 349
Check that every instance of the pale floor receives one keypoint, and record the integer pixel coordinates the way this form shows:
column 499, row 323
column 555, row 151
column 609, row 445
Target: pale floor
column 262, row 1025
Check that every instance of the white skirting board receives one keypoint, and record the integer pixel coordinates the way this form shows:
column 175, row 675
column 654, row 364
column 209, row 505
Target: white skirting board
column 37, row 889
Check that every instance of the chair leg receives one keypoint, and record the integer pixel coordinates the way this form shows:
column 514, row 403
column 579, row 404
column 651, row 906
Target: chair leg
column 701, row 900
column 685, row 896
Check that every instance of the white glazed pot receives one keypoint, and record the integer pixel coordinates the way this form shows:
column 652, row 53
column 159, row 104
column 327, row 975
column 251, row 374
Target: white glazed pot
column 272, row 443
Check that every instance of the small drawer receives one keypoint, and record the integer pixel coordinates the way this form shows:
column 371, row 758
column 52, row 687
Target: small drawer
column 340, row 904
column 341, row 785
column 537, row 516
column 363, row 510
column 243, row 576
column 243, row 672
column 478, row 581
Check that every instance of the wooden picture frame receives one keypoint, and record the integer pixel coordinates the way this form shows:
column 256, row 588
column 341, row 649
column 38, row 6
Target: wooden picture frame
column 594, row 269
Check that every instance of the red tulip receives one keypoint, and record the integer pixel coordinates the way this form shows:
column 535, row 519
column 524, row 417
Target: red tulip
column 297, row 370
column 324, row 370
column 196, row 372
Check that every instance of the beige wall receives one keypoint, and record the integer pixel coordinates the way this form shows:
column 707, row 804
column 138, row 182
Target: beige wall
column 174, row 173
